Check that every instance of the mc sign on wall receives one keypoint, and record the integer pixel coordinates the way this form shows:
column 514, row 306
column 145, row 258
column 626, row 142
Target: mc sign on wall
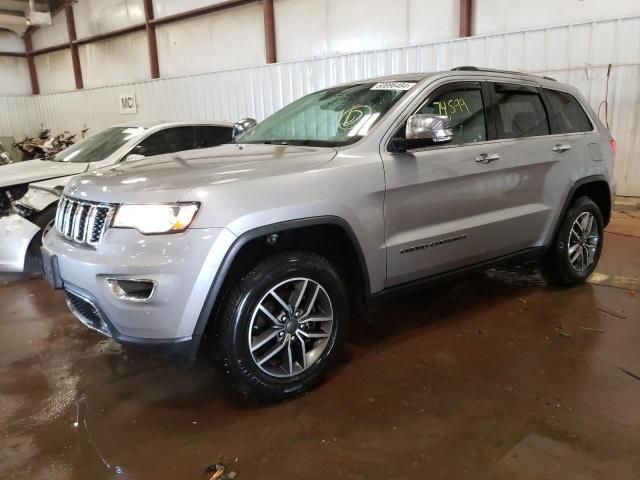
column 128, row 104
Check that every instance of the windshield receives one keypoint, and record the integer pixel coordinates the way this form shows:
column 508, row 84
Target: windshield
column 99, row 146
column 334, row 117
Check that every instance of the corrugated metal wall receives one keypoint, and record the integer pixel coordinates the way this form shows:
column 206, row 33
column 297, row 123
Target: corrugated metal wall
column 577, row 54
column 19, row 116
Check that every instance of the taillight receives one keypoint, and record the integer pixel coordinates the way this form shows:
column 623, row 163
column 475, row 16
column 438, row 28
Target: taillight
column 613, row 145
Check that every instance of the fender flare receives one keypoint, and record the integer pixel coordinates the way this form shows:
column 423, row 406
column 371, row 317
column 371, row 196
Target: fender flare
column 242, row 240
column 16, row 234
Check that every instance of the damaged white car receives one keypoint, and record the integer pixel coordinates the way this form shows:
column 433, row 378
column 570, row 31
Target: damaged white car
column 29, row 191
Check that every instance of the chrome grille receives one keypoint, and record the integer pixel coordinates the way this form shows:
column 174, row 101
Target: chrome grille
column 83, row 222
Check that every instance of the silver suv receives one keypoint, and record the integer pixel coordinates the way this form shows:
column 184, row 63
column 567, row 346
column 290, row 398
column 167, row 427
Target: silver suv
column 262, row 247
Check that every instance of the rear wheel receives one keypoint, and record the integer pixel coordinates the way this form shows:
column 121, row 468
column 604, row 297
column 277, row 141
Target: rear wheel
column 282, row 326
column 575, row 252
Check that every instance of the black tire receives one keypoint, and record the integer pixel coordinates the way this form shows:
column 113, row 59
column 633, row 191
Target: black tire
column 557, row 268
column 235, row 359
column 43, row 219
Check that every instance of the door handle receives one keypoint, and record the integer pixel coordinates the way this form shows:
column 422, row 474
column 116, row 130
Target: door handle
column 561, row 148
column 487, row 157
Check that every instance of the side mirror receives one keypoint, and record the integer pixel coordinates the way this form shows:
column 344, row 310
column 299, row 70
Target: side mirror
column 243, row 126
column 137, row 153
column 424, row 130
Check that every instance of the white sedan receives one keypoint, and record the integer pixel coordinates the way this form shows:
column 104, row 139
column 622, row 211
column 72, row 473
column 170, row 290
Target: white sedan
column 29, row 191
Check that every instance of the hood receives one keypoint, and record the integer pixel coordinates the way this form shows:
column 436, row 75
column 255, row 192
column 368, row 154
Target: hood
column 36, row 170
column 167, row 178
column 53, row 184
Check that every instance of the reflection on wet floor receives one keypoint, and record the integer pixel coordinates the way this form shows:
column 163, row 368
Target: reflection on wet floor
column 492, row 377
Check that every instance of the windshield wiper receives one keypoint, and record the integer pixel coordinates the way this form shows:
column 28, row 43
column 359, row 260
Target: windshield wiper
column 274, row 142
column 303, row 143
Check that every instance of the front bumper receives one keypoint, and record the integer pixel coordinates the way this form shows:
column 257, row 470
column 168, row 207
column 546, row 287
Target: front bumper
column 87, row 310
column 182, row 265
column 16, row 234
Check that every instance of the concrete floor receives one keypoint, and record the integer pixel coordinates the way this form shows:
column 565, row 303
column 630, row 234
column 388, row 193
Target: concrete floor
column 495, row 377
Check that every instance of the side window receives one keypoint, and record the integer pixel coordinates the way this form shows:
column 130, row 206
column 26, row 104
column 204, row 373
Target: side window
column 465, row 109
column 170, row 140
column 567, row 115
column 520, row 112
column 212, row 136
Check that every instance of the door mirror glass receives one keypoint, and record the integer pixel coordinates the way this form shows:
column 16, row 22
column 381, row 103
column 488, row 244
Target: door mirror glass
column 434, row 128
column 243, row 126
column 134, row 156
column 423, row 130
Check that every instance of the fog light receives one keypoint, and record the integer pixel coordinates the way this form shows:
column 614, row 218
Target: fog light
column 132, row 289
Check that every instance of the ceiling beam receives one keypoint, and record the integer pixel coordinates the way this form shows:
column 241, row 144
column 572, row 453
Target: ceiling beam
column 13, row 54
column 218, row 7
column 51, row 49
column 113, row 34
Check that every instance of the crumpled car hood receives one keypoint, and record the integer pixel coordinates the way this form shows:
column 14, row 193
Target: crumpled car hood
column 36, row 170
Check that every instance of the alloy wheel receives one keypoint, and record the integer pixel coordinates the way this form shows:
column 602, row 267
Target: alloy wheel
column 583, row 241
column 291, row 327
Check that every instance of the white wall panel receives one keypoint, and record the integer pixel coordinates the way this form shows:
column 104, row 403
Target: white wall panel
column 55, row 71
column 229, row 39
column 10, row 42
column 259, row 91
column 365, row 25
column 14, row 77
column 301, row 29
column 432, row 20
column 316, row 28
column 112, row 62
column 54, row 35
column 20, row 117
column 492, row 16
column 163, row 8
column 93, row 17
column 14, row 72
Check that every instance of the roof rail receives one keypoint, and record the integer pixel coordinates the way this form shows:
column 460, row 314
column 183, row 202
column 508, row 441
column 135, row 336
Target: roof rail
column 470, row 68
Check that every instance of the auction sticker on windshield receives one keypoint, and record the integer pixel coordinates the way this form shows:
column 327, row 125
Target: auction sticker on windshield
column 393, row 86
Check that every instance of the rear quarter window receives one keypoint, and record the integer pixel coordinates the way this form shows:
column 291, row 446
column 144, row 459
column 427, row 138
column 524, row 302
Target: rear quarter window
column 566, row 115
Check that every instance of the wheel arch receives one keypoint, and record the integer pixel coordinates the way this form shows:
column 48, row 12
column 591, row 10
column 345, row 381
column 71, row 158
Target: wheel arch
column 299, row 234
column 595, row 187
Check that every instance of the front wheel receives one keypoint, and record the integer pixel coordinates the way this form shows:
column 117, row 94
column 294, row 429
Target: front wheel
column 575, row 252
column 282, row 326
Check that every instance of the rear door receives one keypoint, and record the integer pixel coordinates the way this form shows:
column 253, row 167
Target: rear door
column 576, row 145
column 538, row 161
column 212, row 135
column 170, row 140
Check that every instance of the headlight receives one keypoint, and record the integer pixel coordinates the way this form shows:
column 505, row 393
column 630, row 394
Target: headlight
column 150, row 219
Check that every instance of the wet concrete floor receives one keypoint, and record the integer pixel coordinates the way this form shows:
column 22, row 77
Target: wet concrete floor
column 494, row 377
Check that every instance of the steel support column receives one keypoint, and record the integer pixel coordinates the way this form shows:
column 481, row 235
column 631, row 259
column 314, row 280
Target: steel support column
column 466, row 12
column 73, row 48
column 35, row 87
column 269, row 31
column 151, row 39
